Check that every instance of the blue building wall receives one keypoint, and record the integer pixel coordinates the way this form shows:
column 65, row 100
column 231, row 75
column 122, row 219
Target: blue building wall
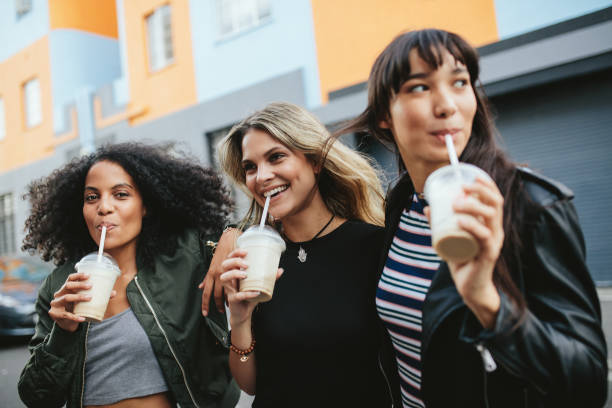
column 17, row 33
column 79, row 59
column 282, row 45
column 516, row 17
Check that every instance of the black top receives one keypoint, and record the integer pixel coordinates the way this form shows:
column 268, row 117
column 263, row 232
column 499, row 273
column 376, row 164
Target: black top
column 318, row 338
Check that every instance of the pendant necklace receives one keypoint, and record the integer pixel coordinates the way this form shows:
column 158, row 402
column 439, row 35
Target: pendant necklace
column 302, row 252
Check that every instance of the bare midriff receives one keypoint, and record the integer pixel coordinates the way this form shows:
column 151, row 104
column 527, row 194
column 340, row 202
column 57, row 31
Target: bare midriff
column 161, row 400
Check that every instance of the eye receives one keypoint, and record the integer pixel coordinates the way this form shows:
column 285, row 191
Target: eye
column 460, row 83
column 418, row 88
column 276, row 156
column 122, row 194
column 248, row 167
column 90, row 197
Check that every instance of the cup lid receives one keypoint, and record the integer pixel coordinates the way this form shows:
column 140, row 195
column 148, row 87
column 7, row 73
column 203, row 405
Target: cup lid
column 266, row 231
column 106, row 261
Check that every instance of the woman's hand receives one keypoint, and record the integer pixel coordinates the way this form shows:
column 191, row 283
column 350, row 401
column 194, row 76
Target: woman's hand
column 474, row 278
column 211, row 283
column 241, row 304
column 64, row 299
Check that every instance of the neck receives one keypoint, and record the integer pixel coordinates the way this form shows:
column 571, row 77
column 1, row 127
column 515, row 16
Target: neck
column 303, row 225
column 126, row 259
column 420, row 171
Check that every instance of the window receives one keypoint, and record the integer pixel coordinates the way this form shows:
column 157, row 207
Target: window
column 2, row 120
column 241, row 201
column 159, row 32
column 234, row 16
column 7, row 224
column 22, row 7
column 33, row 106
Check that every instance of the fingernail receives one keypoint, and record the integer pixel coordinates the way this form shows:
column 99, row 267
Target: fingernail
column 204, row 312
column 243, row 274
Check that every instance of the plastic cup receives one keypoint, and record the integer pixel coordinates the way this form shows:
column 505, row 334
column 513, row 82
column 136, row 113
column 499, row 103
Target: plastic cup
column 102, row 277
column 442, row 187
column 264, row 247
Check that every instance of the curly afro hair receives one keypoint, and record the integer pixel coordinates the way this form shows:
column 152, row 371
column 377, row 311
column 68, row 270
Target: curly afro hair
column 176, row 190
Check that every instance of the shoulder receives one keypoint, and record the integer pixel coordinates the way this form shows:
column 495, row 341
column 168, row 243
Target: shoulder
column 399, row 189
column 57, row 277
column 543, row 190
column 359, row 230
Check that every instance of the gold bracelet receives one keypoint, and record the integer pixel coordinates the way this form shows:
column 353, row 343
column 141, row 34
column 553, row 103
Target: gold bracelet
column 244, row 354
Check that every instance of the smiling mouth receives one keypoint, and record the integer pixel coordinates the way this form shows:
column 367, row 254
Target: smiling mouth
column 275, row 191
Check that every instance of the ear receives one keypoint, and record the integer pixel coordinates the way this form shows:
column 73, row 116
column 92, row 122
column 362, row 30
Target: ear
column 144, row 212
column 384, row 124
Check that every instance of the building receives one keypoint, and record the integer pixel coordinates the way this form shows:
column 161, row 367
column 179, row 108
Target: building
column 76, row 74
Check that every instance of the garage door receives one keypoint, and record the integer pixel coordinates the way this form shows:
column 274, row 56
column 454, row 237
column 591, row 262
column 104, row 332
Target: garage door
column 564, row 130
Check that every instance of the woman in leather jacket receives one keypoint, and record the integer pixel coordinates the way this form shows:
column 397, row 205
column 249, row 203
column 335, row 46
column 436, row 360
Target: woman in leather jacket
column 153, row 348
column 519, row 325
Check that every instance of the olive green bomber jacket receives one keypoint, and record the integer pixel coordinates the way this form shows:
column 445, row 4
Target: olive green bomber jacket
column 192, row 350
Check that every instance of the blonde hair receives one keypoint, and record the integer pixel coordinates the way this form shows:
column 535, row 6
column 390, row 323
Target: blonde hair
column 348, row 181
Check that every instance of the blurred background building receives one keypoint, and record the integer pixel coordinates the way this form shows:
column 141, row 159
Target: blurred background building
column 75, row 74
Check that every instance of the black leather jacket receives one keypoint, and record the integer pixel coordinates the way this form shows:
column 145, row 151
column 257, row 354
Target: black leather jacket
column 555, row 356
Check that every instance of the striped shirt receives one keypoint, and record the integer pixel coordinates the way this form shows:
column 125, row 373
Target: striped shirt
column 405, row 280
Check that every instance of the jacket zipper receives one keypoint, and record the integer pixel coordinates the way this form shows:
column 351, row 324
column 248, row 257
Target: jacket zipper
column 501, row 363
column 84, row 360
column 167, row 341
column 386, row 381
column 489, row 366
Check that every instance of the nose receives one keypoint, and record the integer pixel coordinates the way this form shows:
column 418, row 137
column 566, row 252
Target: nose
column 105, row 206
column 444, row 103
column 264, row 173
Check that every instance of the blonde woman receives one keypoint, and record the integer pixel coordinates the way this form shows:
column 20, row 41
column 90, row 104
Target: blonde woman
column 317, row 342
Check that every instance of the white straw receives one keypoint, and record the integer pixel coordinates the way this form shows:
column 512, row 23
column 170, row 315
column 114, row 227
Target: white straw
column 101, row 248
column 265, row 213
column 452, row 154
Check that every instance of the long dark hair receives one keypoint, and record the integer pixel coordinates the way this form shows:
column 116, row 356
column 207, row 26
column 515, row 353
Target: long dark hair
column 177, row 192
column 390, row 71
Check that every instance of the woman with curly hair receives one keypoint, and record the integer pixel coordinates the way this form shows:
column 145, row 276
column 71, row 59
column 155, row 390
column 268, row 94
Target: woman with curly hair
column 153, row 348
column 317, row 342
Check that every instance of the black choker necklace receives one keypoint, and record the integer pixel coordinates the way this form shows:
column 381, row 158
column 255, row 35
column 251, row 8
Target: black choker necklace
column 302, row 252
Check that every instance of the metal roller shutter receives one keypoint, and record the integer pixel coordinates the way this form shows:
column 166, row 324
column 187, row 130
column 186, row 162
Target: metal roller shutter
column 564, row 131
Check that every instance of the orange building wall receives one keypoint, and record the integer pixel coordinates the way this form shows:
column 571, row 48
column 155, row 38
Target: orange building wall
column 94, row 16
column 22, row 145
column 350, row 34
column 154, row 94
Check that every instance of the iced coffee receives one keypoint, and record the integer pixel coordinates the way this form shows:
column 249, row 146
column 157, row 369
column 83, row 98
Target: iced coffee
column 103, row 272
column 264, row 247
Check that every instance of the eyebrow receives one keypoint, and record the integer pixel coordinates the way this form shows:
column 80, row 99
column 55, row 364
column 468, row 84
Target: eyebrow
column 112, row 188
column 420, row 75
column 266, row 154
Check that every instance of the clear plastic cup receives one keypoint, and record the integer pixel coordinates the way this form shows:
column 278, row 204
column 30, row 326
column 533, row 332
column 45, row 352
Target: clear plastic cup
column 102, row 277
column 442, row 187
column 264, row 247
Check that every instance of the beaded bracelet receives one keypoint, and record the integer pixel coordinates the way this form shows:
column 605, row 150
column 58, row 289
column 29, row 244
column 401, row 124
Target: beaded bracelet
column 244, row 354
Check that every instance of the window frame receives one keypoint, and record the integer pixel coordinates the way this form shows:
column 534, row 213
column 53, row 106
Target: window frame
column 30, row 120
column 2, row 119
column 260, row 13
column 159, row 38
column 7, row 224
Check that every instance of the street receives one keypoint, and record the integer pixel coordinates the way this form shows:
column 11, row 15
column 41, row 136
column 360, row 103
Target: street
column 14, row 353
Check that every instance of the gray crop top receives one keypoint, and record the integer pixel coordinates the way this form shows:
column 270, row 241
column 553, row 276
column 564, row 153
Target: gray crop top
column 120, row 363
